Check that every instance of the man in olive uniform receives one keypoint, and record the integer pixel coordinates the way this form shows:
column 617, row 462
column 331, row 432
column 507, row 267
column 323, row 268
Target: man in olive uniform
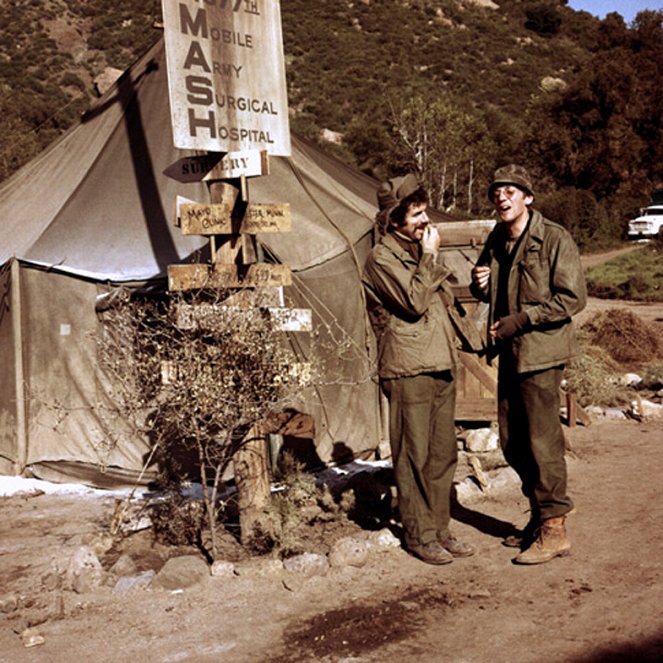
column 529, row 271
column 407, row 298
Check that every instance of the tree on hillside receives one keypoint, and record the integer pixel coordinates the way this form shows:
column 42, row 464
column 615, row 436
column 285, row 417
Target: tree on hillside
column 603, row 132
column 448, row 147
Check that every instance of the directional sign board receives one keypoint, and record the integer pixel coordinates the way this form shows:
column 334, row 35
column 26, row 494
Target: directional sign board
column 204, row 315
column 217, row 219
column 226, row 75
column 216, row 166
column 218, row 275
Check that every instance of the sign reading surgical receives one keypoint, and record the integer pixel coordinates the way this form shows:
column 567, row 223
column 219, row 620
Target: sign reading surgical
column 226, row 75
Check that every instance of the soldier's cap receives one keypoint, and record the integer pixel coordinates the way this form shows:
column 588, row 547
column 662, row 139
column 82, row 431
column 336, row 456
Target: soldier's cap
column 511, row 174
column 391, row 192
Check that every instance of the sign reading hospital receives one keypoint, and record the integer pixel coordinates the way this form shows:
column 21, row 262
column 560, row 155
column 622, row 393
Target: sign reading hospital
column 226, row 75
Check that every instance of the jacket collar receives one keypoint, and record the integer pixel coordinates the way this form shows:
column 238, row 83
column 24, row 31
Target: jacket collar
column 533, row 235
column 392, row 244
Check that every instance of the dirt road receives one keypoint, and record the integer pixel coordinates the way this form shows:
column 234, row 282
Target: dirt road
column 604, row 602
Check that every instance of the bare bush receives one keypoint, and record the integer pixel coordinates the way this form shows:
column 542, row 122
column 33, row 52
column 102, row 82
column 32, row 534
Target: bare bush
column 197, row 374
column 194, row 375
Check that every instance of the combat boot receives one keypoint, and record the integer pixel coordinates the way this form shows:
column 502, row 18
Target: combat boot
column 526, row 537
column 551, row 542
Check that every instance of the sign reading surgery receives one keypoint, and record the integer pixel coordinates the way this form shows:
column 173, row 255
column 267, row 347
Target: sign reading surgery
column 226, row 75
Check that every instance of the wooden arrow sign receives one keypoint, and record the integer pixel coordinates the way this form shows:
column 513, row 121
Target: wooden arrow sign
column 219, row 166
column 219, row 275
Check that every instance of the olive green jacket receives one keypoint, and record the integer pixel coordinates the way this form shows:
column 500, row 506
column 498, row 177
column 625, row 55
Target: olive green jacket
column 547, row 281
column 407, row 313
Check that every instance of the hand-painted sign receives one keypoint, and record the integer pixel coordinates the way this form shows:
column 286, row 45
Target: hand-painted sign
column 218, row 219
column 226, row 75
column 215, row 166
column 203, row 275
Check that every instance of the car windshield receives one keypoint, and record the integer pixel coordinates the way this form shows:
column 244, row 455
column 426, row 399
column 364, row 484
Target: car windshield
column 654, row 211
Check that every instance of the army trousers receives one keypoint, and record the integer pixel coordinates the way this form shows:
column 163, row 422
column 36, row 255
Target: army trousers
column 424, row 452
column 531, row 435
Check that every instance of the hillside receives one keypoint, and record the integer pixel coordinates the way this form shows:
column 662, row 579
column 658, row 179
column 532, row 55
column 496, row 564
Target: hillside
column 490, row 80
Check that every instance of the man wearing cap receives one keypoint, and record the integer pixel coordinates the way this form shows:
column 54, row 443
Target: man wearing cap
column 407, row 297
column 530, row 274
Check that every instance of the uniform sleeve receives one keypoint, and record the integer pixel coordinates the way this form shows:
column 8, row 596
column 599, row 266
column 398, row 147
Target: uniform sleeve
column 567, row 284
column 405, row 292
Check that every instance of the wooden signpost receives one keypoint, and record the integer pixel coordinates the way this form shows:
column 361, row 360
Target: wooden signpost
column 226, row 82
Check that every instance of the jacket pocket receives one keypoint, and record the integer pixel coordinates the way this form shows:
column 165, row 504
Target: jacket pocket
column 533, row 280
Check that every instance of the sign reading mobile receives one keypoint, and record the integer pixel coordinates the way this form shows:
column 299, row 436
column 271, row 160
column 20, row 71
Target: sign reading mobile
column 226, row 75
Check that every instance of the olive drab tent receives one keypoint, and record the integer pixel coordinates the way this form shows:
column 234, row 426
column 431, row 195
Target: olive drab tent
column 95, row 211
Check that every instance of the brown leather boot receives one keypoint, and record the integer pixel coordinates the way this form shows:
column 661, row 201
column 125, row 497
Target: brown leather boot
column 526, row 537
column 551, row 542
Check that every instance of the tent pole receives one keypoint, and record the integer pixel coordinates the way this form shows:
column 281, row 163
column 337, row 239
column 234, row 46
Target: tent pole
column 17, row 328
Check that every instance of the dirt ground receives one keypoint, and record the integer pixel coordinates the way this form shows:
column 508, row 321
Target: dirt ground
column 602, row 603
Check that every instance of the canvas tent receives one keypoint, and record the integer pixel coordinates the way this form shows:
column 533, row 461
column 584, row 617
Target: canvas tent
column 95, row 210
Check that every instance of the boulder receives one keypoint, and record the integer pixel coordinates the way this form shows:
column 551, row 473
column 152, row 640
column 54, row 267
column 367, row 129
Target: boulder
column 482, row 440
column 84, row 573
column 307, row 564
column 181, row 573
column 349, row 551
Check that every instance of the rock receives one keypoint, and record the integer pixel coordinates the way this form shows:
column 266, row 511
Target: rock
column 259, row 568
column 333, row 136
column 467, row 489
column 552, row 84
column 31, row 637
column 130, row 583
column 124, row 566
column 181, row 572
column 293, row 581
column 222, row 569
column 482, row 440
column 349, row 551
column 307, row 564
column 106, row 79
column 503, row 478
column 51, row 581
column 630, row 380
column 8, row 603
column 99, row 543
column 614, row 413
column 84, row 572
column 595, row 411
column 646, row 409
column 384, row 538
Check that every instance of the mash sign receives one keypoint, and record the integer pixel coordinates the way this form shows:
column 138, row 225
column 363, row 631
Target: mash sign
column 226, row 75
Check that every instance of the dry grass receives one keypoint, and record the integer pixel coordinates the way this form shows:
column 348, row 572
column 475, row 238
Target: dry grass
column 624, row 336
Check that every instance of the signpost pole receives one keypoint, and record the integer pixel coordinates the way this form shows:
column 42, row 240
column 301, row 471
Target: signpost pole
column 227, row 89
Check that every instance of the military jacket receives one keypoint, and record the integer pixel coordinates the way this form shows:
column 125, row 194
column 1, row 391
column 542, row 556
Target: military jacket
column 408, row 315
column 547, row 281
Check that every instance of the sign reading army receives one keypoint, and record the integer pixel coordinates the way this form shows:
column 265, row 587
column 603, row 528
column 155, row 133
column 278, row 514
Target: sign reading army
column 226, row 75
